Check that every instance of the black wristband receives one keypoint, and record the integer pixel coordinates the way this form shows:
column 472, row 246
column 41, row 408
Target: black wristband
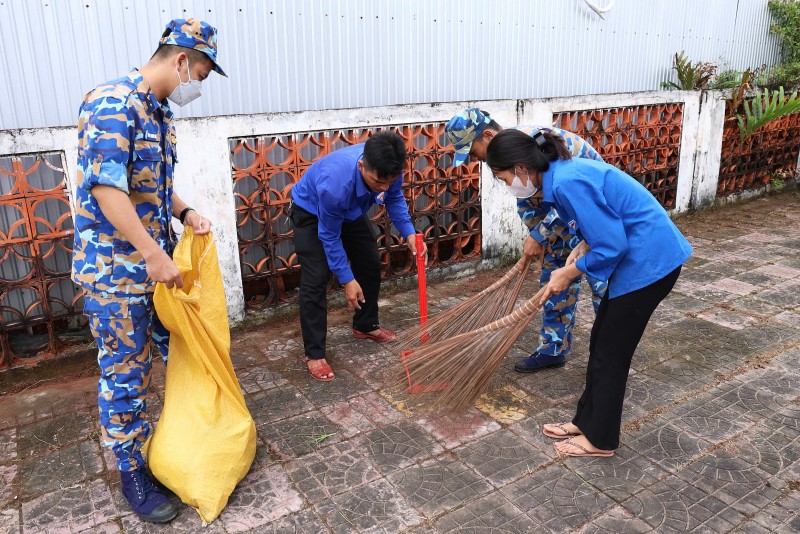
column 182, row 216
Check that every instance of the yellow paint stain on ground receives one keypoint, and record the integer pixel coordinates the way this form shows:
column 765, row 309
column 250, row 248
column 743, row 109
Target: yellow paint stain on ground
column 504, row 404
column 399, row 405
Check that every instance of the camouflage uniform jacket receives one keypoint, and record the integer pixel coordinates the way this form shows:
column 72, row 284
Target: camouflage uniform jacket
column 126, row 140
column 540, row 217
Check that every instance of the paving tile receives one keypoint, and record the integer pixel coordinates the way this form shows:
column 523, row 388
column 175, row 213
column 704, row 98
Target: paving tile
column 331, row 471
column 736, row 287
column 665, row 444
column 188, row 521
column 684, row 374
column 300, row 435
column 322, row 394
column 397, row 446
column 438, row 485
column 60, row 468
column 624, row 474
column 504, row 403
column 277, row 403
column 789, row 360
column 454, row 430
column 643, row 393
column 783, row 294
column 780, row 517
column 727, row 318
column 73, row 508
column 258, row 379
column 780, row 271
column 705, row 419
column 493, row 513
column 616, row 520
column 8, row 445
column 671, row 506
column 557, row 385
column 375, row 507
column 9, row 521
column 277, row 349
column 57, row 432
column 261, row 498
column 530, row 429
column 502, row 457
column 7, row 490
column 557, row 499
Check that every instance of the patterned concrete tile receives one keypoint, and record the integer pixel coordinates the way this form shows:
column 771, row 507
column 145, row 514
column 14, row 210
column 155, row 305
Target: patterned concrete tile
column 780, row 271
column 684, row 374
column 397, row 446
column 736, row 287
column 277, row 403
column 787, row 318
column 557, row 385
column 331, row 471
column 530, row 429
column 624, row 474
column 56, row 432
column 789, row 360
column 363, row 413
column 780, row 517
column 671, row 506
column 504, row 403
column 60, row 468
column 188, row 521
column 8, row 445
column 322, row 394
column 644, row 393
column 665, row 444
column 730, row 476
column 495, row 513
column 455, row 430
column 727, row 318
column 9, row 521
column 707, row 420
column 616, row 520
column 375, row 507
column 438, row 485
column 303, row 522
column 557, row 498
column 7, row 488
column 300, row 435
column 782, row 294
column 502, row 457
column 261, row 498
column 277, row 349
column 74, row 508
column 258, row 379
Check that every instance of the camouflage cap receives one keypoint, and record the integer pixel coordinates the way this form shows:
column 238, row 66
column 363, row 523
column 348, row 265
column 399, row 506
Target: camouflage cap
column 462, row 130
column 196, row 34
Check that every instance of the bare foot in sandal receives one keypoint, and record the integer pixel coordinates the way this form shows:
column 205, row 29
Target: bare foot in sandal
column 320, row 369
column 580, row 446
column 560, row 430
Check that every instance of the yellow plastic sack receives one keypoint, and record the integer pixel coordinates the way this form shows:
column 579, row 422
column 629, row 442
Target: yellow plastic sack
column 205, row 441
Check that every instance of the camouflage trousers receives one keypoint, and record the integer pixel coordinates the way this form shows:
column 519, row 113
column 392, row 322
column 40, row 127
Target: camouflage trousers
column 123, row 328
column 558, row 314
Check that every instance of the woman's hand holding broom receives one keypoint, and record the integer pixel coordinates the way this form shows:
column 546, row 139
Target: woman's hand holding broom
column 532, row 248
column 560, row 279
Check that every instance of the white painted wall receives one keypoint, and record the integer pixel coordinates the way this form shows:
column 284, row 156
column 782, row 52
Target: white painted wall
column 203, row 174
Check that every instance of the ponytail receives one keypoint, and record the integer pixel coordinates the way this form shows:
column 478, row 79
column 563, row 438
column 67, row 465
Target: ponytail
column 513, row 147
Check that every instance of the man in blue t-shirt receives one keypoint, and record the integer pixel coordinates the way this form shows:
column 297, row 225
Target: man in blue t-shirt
column 331, row 227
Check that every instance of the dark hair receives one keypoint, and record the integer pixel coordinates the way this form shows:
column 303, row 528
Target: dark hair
column 513, row 147
column 385, row 153
column 492, row 124
column 165, row 51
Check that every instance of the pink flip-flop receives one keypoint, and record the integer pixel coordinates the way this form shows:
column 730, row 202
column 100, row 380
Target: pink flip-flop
column 553, row 435
column 585, row 451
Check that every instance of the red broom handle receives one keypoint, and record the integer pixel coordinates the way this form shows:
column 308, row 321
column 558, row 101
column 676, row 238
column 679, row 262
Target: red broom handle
column 421, row 282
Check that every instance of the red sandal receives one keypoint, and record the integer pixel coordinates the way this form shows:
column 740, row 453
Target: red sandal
column 321, row 371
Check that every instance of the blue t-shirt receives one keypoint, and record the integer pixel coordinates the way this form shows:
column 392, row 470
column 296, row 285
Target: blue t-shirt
column 334, row 191
column 632, row 239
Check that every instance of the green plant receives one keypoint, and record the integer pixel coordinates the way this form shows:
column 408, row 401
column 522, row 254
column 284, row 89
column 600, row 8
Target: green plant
column 786, row 14
column 763, row 109
column 727, row 79
column 691, row 76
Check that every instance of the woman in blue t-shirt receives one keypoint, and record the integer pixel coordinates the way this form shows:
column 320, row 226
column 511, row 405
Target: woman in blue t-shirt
column 628, row 239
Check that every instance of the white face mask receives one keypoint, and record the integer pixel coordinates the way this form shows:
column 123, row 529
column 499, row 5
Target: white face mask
column 186, row 91
column 519, row 190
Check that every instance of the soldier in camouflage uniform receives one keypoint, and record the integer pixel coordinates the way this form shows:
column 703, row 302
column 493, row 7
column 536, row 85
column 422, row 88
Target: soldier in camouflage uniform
column 123, row 236
column 470, row 132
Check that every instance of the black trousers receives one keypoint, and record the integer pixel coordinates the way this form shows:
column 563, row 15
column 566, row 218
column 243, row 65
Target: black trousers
column 360, row 245
column 617, row 330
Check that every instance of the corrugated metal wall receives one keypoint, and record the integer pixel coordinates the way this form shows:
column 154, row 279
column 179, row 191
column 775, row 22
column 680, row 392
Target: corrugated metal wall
column 290, row 55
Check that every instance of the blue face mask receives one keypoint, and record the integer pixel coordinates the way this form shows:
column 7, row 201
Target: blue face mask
column 187, row 91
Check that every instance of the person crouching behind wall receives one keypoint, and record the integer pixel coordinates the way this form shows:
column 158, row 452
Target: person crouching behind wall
column 629, row 240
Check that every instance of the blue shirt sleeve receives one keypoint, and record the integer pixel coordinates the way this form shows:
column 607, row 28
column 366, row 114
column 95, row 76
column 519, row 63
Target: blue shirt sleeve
column 397, row 208
column 329, row 229
column 602, row 228
column 108, row 131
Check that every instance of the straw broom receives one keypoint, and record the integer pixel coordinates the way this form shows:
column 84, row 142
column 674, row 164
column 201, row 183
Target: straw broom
column 489, row 305
column 461, row 366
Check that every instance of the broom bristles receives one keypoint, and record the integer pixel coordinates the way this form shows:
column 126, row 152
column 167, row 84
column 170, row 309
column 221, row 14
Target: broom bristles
column 490, row 304
column 464, row 363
